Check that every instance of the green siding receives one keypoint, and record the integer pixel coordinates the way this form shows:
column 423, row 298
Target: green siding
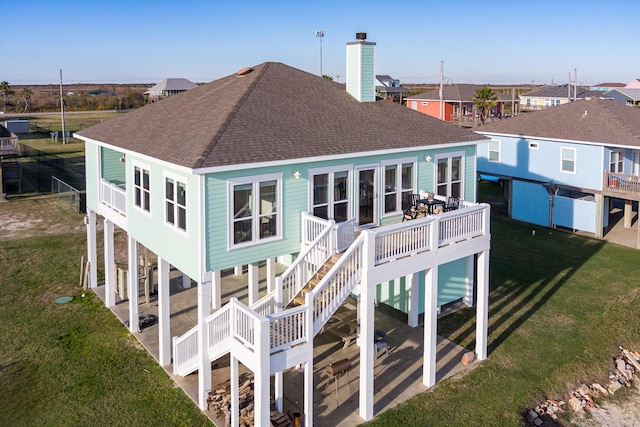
column 113, row 170
column 295, row 194
column 452, row 285
column 178, row 248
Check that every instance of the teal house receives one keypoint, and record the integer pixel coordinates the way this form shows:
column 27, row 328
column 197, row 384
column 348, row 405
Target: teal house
column 276, row 165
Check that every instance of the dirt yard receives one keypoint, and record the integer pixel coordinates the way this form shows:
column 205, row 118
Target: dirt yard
column 36, row 216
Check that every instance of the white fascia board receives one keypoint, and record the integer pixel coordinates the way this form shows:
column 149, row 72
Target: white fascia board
column 302, row 160
column 572, row 141
column 182, row 169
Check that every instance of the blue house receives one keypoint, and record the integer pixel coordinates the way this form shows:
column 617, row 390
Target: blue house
column 273, row 164
column 564, row 167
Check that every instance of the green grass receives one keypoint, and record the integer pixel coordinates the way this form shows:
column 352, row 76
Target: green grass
column 559, row 306
column 73, row 364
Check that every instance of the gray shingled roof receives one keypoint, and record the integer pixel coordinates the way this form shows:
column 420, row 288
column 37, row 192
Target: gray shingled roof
column 4, row 133
column 174, row 84
column 630, row 93
column 273, row 113
column 456, row 93
column 561, row 91
column 595, row 120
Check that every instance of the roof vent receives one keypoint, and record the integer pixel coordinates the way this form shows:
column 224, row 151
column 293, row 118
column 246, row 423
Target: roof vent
column 244, row 71
column 361, row 36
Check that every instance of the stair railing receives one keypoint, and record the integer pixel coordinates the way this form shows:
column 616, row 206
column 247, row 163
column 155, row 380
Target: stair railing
column 337, row 284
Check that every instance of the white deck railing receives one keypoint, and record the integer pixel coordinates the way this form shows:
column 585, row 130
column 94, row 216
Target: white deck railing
column 312, row 227
column 345, row 234
column 308, row 262
column 461, row 224
column 403, row 239
column 185, row 352
column 288, row 328
column 9, row 145
column 113, row 196
column 337, row 284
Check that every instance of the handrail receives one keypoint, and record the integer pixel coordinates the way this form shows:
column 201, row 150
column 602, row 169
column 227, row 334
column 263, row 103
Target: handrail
column 288, row 328
column 403, row 239
column 185, row 352
column 337, row 284
column 306, row 264
column 312, row 227
column 461, row 224
column 345, row 234
column 113, row 196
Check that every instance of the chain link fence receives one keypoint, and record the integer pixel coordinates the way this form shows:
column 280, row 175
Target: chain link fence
column 68, row 195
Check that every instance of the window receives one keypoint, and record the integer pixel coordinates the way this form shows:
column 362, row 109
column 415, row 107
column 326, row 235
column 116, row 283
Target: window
column 330, row 194
column 494, row 151
column 449, row 175
column 176, row 203
column 568, row 160
column 142, row 192
column 255, row 209
column 398, row 185
column 616, row 161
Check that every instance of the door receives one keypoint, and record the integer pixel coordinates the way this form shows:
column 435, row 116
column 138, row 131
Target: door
column 367, row 200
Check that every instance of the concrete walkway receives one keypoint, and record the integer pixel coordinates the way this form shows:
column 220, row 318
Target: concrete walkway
column 398, row 374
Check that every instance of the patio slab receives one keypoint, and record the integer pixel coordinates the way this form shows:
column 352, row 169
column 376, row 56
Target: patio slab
column 398, row 374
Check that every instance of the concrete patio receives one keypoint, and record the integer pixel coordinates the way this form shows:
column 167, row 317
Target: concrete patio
column 398, row 374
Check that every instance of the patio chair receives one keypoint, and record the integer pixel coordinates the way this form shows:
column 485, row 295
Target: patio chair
column 380, row 341
column 452, row 204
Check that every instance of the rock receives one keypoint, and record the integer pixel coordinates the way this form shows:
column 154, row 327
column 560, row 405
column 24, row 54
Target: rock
column 575, row 403
column 584, row 389
column 614, row 386
column 599, row 388
column 468, row 358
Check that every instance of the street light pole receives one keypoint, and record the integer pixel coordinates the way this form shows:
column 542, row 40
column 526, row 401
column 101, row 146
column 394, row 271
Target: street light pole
column 320, row 35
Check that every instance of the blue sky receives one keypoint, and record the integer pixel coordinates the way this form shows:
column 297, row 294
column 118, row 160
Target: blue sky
column 502, row 42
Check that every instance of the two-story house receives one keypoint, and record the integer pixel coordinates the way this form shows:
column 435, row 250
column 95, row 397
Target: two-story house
column 457, row 103
column 276, row 164
column 564, row 167
column 390, row 88
column 554, row 95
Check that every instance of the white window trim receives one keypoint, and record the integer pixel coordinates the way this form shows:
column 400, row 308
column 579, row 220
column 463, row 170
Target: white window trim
column 575, row 160
column 498, row 151
column 620, row 152
column 414, row 184
column 330, row 170
column 176, row 178
column 450, row 155
column 255, row 180
column 142, row 166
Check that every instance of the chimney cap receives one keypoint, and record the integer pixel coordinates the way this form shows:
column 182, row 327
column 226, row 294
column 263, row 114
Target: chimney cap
column 361, row 36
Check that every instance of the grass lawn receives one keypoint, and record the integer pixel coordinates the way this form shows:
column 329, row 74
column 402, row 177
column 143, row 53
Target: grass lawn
column 74, row 363
column 559, row 306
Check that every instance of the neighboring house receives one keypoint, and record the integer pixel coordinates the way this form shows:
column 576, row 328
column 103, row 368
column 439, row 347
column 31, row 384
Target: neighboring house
column 390, row 88
column 629, row 97
column 8, row 142
column 457, row 104
column 633, row 84
column 606, row 87
column 552, row 96
column 169, row 87
column 278, row 164
column 10, row 172
column 563, row 167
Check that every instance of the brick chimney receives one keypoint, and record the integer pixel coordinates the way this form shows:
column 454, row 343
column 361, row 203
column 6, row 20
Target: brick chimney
column 360, row 69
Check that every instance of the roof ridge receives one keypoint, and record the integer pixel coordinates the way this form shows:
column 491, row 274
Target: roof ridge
column 238, row 105
column 615, row 116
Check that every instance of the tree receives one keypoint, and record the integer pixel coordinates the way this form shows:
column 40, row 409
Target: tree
column 324, row 76
column 5, row 89
column 483, row 102
column 26, row 94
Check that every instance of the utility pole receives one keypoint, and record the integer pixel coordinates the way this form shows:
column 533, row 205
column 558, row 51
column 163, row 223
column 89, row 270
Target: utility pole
column 64, row 138
column 441, row 92
column 320, row 35
column 575, row 84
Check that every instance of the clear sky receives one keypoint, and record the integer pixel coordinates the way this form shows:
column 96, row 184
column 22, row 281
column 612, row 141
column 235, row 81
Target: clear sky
column 490, row 41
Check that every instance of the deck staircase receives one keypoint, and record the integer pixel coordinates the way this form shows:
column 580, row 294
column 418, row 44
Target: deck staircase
column 299, row 299
column 332, row 278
